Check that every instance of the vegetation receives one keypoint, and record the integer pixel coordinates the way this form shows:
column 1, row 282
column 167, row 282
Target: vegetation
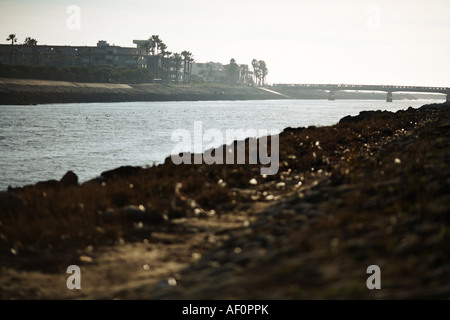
column 260, row 71
column 233, row 72
column 30, row 41
column 166, row 65
column 12, row 37
column 104, row 74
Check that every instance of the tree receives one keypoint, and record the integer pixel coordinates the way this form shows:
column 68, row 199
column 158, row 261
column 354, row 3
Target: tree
column 187, row 68
column 157, row 42
column 12, row 37
column 165, row 64
column 157, row 46
column 177, row 64
column 233, row 72
column 33, row 44
column 255, row 66
column 30, row 41
column 162, row 49
column 150, row 46
column 260, row 71
column 264, row 71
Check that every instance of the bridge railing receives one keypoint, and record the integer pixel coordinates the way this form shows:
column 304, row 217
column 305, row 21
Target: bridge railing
column 366, row 87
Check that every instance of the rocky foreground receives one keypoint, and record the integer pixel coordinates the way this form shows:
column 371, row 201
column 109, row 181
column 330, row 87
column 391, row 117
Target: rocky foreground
column 371, row 190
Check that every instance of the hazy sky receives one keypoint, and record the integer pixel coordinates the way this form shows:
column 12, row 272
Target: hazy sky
column 302, row 41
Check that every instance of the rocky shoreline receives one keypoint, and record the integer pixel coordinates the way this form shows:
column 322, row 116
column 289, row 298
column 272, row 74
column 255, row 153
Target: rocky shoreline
column 371, row 190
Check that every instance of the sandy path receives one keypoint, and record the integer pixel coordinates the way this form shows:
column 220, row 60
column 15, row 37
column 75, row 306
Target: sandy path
column 127, row 269
column 113, row 272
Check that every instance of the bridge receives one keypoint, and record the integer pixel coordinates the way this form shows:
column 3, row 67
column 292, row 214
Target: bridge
column 332, row 88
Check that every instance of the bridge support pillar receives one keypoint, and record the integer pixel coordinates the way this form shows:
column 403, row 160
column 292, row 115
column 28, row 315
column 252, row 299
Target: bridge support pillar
column 332, row 95
column 389, row 97
column 448, row 96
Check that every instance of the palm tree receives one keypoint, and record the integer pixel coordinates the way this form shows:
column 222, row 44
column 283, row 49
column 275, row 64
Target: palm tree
column 12, row 37
column 233, row 71
column 244, row 74
column 264, row 71
column 32, row 43
column 190, row 63
column 187, row 58
column 157, row 46
column 255, row 66
column 177, row 61
column 165, row 63
column 150, row 46
column 162, row 49
column 157, row 41
column 161, row 59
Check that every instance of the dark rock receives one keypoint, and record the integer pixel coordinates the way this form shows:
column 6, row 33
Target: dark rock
column 293, row 130
column 9, row 202
column 69, row 179
column 123, row 171
column 48, row 184
column 363, row 115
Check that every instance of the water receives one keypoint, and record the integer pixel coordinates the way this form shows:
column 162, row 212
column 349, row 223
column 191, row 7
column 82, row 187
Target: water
column 43, row 142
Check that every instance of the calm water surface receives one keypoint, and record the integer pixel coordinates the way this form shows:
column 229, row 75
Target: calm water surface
column 45, row 141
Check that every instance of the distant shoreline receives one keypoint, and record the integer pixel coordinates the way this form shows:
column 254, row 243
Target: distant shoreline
column 32, row 91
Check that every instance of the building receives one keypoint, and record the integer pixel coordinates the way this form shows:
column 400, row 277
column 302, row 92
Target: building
column 80, row 56
column 208, row 72
column 217, row 72
column 165, row 66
